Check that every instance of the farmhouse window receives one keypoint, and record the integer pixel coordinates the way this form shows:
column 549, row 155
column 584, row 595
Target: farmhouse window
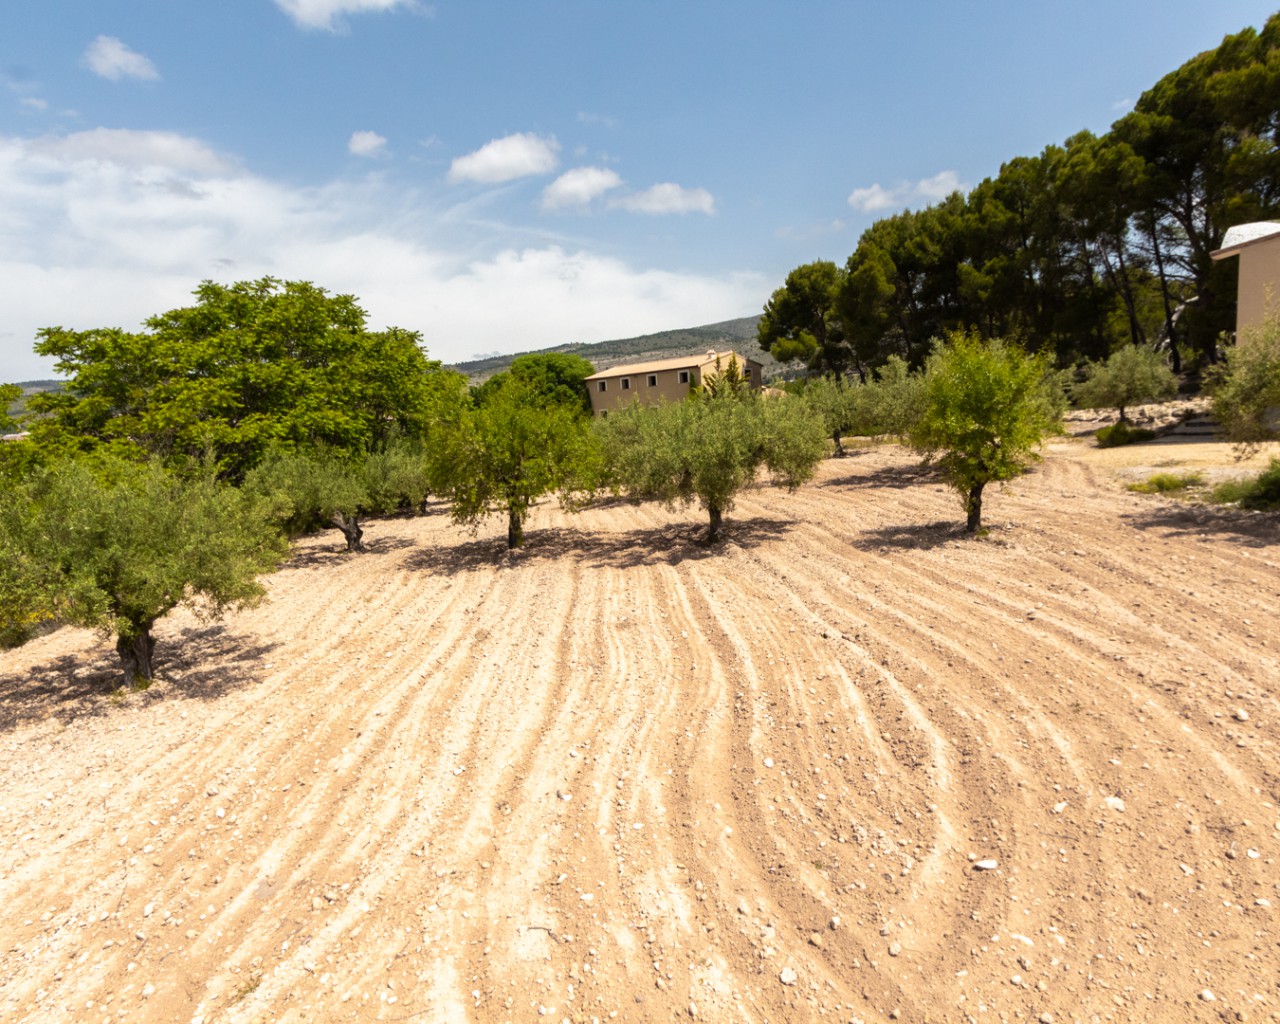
column 602, row 385
column 626, row 383
column 684, row 377
column 653, row 380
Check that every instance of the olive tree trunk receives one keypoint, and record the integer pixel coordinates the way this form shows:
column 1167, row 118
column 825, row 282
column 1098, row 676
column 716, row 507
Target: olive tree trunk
column 835, row 436
column 135, row 651
column 717, row 521
column 351, row 530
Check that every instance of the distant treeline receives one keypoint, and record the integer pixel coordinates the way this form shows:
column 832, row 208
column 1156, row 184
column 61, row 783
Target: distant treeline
column 1096, row 243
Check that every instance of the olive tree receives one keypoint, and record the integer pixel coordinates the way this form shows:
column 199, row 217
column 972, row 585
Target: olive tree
column 709, row 448
column 117, row 545
column 1246, row 394
column 1129, row 376
column 508, row 451
column 322, row 487
column 985, row 408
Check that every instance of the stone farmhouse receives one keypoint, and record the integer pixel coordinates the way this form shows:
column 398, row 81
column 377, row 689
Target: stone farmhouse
column 662, row 379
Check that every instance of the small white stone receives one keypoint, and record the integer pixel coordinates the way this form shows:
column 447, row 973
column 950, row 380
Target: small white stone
column 148, row 990
column 1241, row 715
column 788, row 976
column 587, row 897
column 1059, row 807
column 985, row 865
column 768, row 762
column 1208, row 996
column 1115, row 803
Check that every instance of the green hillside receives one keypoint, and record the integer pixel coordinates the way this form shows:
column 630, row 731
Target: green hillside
column 739, row 335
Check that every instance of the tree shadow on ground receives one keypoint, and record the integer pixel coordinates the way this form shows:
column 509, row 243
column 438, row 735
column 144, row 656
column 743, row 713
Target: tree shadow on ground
column 330, row 554
column 200, row 663
column 914, row 535
column 669, row 545
column 1254, row 529
column 891, row 476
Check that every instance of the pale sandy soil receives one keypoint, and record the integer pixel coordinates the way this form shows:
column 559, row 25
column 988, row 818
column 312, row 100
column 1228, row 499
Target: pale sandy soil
column 622, row 777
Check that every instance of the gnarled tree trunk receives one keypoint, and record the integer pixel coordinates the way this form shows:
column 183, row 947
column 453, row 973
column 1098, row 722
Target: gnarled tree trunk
column 840, row 452
column 351, row 530
column 135, row 653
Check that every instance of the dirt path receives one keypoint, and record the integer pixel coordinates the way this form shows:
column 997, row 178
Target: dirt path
column 618, row 776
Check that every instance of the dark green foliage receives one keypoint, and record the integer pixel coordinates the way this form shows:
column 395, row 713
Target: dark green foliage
column 115, row 545
column 1260, row 493
column 986, row 407
column 10, row 395
column 250, row 365
column 801, row 321
column 1091, row 245
column 709, row 448
column 550, row 377
column 1122, row 433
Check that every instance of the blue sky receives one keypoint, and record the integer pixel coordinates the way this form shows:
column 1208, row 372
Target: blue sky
column 504, row 176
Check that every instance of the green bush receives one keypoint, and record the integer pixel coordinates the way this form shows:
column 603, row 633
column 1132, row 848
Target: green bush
column 1168, row 483
column 1261, row 493
column 1121, row 433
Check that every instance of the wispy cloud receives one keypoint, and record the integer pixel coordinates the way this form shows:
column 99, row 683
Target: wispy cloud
column 34, row 103
column 508, row 158
column 109, row 57
column 369, row 144
column 668, row 198
column 327, row 14
column 579, row 187
column 601, row 119
column 874, row 198
column 109, row 227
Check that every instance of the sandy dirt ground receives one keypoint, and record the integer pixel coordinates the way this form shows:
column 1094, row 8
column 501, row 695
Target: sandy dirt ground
column 849, row 766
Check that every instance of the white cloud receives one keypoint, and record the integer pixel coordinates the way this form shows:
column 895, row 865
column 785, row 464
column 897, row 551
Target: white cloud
column 874, row 198
column 369, row 144
column 939, row 186
column 327, row 14
column 109, row 57
column 505, row 159
column 105, row 228
column 579, row 187
column 127, row 148
column 668, row 198
column 34, row 103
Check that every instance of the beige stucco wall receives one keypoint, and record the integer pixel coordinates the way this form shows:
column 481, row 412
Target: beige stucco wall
column 1258, row 292
column 667, row 388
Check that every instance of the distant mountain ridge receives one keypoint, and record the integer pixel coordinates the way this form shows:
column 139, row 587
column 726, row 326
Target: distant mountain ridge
column 739, row 335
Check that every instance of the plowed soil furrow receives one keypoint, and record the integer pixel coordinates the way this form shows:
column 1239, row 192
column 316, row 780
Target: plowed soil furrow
column 849, row 765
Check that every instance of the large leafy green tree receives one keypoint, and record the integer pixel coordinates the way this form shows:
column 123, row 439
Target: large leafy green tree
column 1129, row 376
column 551, row 377
column 801, row 320
column 9, row 393
column 248, row 366
column 709, row 448
column 987, row 405
column 507, row 452
column 118, row 545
